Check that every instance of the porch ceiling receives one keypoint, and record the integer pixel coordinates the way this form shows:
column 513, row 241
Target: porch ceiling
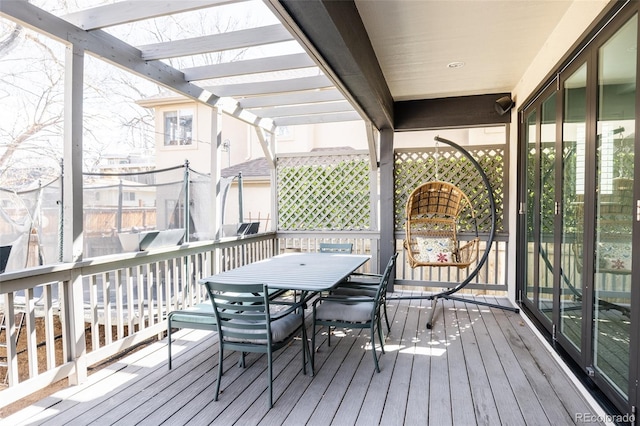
column 314, row 61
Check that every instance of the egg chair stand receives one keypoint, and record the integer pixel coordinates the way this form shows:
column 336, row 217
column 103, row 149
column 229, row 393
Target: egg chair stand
column 434, row 208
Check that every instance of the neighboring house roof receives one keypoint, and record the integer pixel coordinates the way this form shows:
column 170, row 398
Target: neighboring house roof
column 252, row 168
column 260, row 167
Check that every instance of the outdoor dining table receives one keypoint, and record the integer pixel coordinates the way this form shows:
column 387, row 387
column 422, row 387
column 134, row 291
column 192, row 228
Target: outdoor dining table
column 307, row 273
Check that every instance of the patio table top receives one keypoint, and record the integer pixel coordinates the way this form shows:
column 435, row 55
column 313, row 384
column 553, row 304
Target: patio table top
column 308, row 272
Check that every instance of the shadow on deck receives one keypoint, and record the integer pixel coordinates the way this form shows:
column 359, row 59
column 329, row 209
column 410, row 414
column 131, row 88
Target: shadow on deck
column 477, row 365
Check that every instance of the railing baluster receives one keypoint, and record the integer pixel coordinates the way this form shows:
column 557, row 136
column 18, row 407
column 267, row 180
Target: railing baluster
column 95, row 314
column 30, row 329
column 140, row 289
column 10, row 337
column 130, row 306
column 119, row 304
column 106, row 310
column 151, row 281
column 49, row 336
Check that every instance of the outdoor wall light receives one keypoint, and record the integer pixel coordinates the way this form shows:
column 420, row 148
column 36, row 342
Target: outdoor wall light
column 504, row 105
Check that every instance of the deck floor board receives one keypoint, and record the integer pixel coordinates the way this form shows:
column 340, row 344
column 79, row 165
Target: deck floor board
column 477, row 365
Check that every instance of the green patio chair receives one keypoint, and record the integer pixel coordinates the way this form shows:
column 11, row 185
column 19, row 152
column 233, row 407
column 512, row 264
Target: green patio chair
column 359, row 311
column 249, row 321
column 365, row 284
column 338, row 248
column 199, row 317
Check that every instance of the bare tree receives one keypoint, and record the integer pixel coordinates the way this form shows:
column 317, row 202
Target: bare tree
column 31, row 101
column 32, row 92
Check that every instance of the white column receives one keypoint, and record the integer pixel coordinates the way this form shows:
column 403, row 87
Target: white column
column 73, row 312
column 216, row 166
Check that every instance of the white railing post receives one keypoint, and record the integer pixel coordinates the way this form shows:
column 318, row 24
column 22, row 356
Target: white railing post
column 73, row 323
column 10, row 334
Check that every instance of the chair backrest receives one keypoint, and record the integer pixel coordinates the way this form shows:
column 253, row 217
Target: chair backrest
column 242, row 314
column 346, row 248
column 386, row 275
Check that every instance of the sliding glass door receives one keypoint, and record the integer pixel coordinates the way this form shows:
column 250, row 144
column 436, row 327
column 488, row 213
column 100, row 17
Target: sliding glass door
column 541, row 134
column 580, row 211
column 614, row 205
column 573, row 166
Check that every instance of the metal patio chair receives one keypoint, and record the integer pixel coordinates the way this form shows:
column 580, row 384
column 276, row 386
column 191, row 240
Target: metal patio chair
column 248, row 322
column 344, row 248
column 359, row 311
column 365, row 284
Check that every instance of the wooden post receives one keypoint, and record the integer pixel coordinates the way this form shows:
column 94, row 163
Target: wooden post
column 74, row 348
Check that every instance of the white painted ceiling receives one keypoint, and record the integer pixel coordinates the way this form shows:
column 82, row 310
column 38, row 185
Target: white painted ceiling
column 415, row 40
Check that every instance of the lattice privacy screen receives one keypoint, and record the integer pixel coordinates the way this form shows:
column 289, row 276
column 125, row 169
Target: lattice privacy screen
column 413, row 167
column 328, row 192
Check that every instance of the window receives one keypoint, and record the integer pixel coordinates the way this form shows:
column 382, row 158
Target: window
column 284, row 133
column 178, row 127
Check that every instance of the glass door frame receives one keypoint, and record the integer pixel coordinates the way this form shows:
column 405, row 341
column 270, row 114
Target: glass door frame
column 581, row 355
column 634, row 342
column 584, row 356
column 522, row 264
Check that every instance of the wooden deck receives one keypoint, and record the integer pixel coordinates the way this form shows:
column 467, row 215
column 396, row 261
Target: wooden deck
column 476, row 366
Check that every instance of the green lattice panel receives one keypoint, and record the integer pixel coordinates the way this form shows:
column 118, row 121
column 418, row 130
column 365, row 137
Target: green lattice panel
column 413, row 168
column 324, row 192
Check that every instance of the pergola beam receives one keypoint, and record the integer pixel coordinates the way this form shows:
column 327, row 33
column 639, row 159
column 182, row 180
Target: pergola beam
column 307, row 109
column 249, row 66
column 270, row 87
column 326, row 95
column 125, row 12
column 216, row 42
column 119, row 53
column 317, row 119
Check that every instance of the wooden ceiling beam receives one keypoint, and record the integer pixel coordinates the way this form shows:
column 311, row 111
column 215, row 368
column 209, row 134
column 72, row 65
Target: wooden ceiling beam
column 249, row 66
column 306, row 109
column 240, row 39
column 125, row 12
column 461, row 111
column 267, row 87
column 297, row 98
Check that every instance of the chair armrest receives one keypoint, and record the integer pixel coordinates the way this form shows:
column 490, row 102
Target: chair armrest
column 292, row 307
column 362, row 279
column 343, row 299
column 361, row 286
column 364, row 275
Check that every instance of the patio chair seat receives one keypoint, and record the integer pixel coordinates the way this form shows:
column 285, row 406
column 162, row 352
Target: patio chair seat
column 198, row 317
column 281, row 330
column 359, row 312
column 203, row 315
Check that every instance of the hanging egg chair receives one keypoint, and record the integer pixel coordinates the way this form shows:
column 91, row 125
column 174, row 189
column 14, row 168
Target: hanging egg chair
column 433, row 211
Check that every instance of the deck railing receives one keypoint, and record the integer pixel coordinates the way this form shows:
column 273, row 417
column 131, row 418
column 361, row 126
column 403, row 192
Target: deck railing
column 80, row 314
column 65, row 318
